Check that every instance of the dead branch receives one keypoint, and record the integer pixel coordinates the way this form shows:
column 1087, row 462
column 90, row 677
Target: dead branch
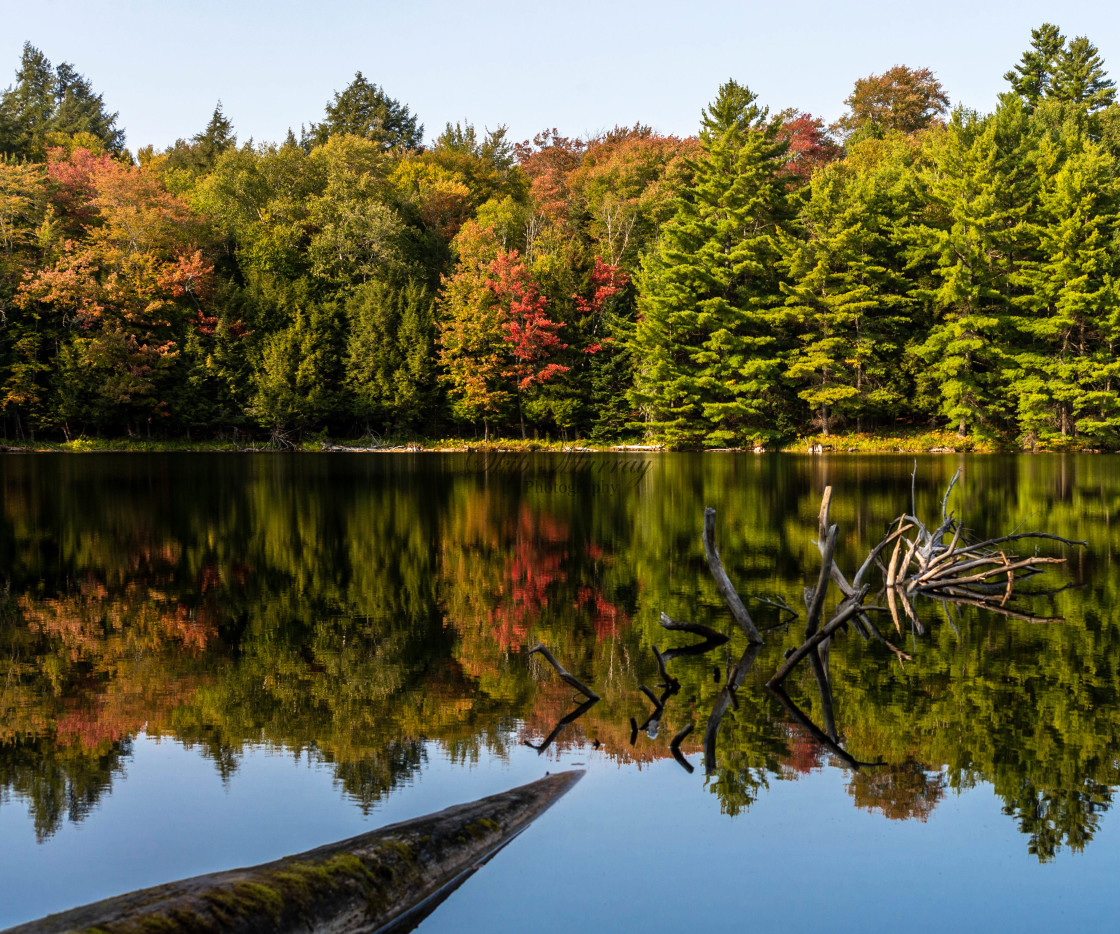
column 849, row 608
column 723, row 582
column 563, row 673
column 828, row 549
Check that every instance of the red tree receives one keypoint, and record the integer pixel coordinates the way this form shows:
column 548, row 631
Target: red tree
column 527, row 329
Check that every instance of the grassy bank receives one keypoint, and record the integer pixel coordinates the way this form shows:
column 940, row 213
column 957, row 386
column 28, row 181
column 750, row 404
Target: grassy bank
column 884, row 442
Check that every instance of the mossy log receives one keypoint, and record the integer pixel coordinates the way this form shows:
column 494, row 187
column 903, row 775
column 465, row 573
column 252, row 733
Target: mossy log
column 389, row 876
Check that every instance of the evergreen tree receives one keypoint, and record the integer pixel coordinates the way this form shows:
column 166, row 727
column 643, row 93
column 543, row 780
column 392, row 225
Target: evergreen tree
column 980, row 189
column 1067, row 371
column 848, row 294
column 709, row 340
column 47, row 105
column 365, row 110
column 1033, row 78
column 391, row 354
column 1080, row 78
column 215, row 139
column 299, row 373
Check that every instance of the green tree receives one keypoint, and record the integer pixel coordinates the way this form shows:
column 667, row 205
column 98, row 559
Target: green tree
column 1067, row 372
column 709, row 336
column 1052, row 69
column 365, row 110
column 299, row 373
column 847, row 291
column 1033, row 78
column 1080, row 78
column 47, row 105
column 390, row 365
column 980, row 189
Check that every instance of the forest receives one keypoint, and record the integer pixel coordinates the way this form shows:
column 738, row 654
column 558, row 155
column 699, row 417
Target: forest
column 913, row 264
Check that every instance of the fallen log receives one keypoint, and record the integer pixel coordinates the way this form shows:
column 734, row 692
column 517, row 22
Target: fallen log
column 362, row 884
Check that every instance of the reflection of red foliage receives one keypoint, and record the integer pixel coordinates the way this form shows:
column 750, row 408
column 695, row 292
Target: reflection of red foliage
column 607, row 617
column 804, row 751
column 901, row 791
column 141, row 616
column 531, row 568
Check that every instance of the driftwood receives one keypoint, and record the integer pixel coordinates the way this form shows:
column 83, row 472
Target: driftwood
column 982, row 574
column 723, row 582
column 393, row 876
column 563, row 672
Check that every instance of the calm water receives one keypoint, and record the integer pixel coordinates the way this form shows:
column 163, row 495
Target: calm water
column 212, row 661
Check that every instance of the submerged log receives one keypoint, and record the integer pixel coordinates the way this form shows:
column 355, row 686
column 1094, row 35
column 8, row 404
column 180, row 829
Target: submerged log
column 396, row 875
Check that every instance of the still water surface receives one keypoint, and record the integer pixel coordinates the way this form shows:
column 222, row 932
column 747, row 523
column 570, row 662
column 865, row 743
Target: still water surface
column 212, row 661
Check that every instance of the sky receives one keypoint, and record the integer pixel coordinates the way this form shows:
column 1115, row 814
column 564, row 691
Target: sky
column 582, row 67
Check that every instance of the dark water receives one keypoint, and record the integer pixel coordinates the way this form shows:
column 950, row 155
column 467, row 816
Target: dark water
column 211, row 661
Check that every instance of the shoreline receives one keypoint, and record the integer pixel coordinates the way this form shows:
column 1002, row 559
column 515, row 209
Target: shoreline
column 916, row 443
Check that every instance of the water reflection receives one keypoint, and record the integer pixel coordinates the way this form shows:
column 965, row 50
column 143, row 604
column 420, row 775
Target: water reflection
column 351, row 609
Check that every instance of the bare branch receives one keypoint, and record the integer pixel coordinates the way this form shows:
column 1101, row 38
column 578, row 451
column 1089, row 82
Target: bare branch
column 723, row 582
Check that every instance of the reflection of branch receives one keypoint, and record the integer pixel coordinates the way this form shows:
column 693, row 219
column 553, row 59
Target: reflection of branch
column 653, row 721
column 697, row 629
column 563, row 673
column 844, row 612
column 724, row 700
column 712, row 639
column 963, row 597
column 723, row 582
column 828, row 717
column 667, row 680
column 777, row 603
column 795, row 712
column 675, row 749
column 699, row 648
column 559, row 728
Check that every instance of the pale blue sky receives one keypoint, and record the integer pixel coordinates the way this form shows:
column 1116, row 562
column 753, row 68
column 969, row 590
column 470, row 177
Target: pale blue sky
column 580, row 66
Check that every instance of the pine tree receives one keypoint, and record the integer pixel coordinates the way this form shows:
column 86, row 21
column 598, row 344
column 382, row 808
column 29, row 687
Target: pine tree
column 391, row 355
column 708, row 342
column 48, row 102
column 215, row 139
column 1067, row 370
column 848, row 295
column 1033, row 78
column 364, row 109
column 1080, row 78
column 980, row 189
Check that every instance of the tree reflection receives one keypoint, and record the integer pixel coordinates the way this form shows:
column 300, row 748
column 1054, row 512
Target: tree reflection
column 355, row 612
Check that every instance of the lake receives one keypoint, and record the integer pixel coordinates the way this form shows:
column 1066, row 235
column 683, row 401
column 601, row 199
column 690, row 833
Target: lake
column 215, row 660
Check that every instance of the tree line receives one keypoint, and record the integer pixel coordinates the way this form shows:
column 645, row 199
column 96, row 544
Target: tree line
column 769, row 277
